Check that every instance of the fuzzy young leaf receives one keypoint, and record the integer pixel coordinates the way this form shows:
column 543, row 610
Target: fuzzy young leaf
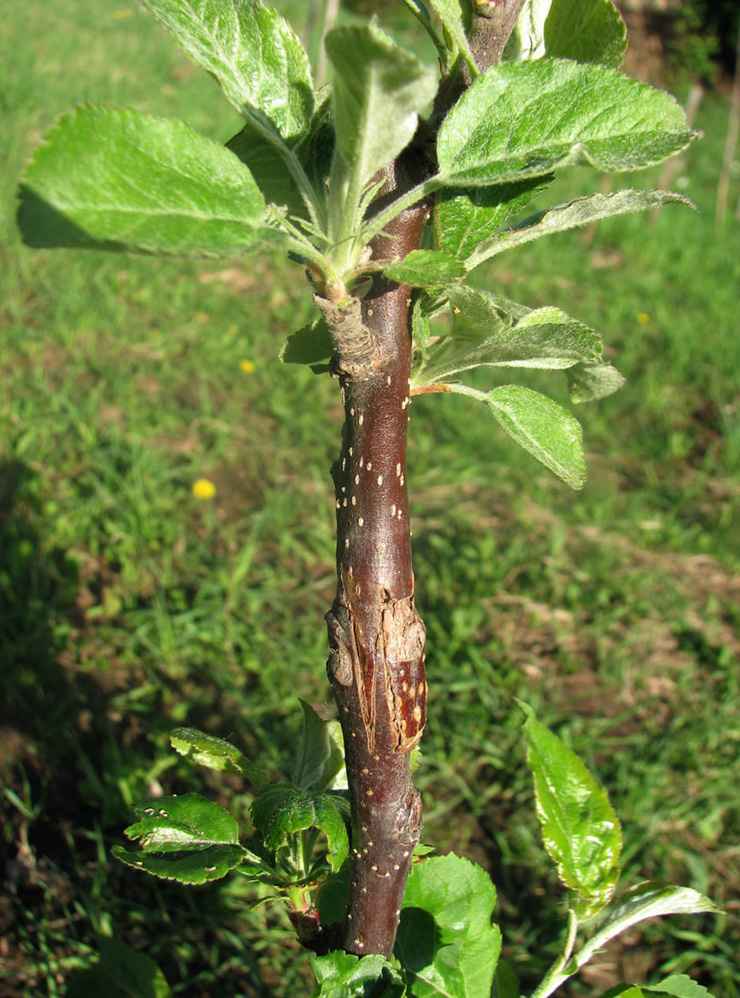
column 527, row 119
column 464, row 219
column 282, row 809
column 647, row 901
column 589, row 382
column 426, row 268
column 379, row 92
column 573, row 215
column 527, row 40
column 579, row 827
column 120, row 180
column 445, row 938
column 320, row 758
column 543, row 429
column 587, row 31
column 254, row 54
column 311, row 344
column 450, row 14
column 215, row 753
column 490, row 330
column 344, row 975
column 265, row 161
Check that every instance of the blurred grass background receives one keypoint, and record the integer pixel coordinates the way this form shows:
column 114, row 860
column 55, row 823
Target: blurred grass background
column 128, row 606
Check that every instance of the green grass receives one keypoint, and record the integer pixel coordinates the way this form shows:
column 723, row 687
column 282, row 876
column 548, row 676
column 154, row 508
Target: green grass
column 127, row 606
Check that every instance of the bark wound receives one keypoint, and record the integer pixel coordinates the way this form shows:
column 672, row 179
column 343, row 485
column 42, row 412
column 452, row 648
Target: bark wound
column 376, row 638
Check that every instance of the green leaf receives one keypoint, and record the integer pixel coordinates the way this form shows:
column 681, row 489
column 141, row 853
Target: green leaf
column 506, row 982
column 282, row 809
column 421, row 328
column 185, row 838
column 134, row 973
column 527, row 40
column 254, row 54
column 573, row 215
column 311, row 344
column 589, row 382
column 521, row 120
column 543, row 428
column 426, row 268
column 446, row 942
column 579, row 827
column 120, row 180
column 197, row 866
column 266, row 163
column 320, row 757
column 647, row 901
column 587, row 31
column 164, row 819
column 379, row 92
column 680, row 986
column 450, row 14
column 206, row 750
column 263, row 160
column 491, row 330
column 464, row 219
column 343, row 975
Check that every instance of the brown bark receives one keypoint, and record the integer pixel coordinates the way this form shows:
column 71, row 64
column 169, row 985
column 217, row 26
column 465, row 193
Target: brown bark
column 376, row 637
column 376, row 663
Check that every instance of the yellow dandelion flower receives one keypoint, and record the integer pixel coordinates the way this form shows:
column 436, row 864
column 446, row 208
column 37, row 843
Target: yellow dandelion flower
column 204, row 489
column 643, row 318
column 247, row 366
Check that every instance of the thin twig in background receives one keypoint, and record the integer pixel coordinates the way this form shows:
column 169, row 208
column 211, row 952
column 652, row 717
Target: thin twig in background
column 733, row 127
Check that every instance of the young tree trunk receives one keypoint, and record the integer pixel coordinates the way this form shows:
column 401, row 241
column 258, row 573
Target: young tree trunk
column 376, row 662
column 376, row 637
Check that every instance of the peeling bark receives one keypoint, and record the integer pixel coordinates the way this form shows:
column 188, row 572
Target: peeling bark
column 376, row 637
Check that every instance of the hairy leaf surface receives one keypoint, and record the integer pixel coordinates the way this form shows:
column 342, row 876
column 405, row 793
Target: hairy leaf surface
column 491, row 330
column 319, row 761
column 589, row 382
column 542, row 428
column 379, row 92
column 281, row 809
column 649, row 901
column 450, row 14
column 587, row 31
column 120, row 180
column 426, row 268
column 186, row 838
column 464, row 219
column 571, row 215
column 580, row 830
column 252, row 51
column 344, row 975
column 521, row 120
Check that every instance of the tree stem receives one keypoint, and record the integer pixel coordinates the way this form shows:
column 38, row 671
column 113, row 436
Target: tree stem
column 376, row 662
column 376, row 637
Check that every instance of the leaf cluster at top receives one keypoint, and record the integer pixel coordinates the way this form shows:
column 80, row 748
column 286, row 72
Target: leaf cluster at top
column 304, row 174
